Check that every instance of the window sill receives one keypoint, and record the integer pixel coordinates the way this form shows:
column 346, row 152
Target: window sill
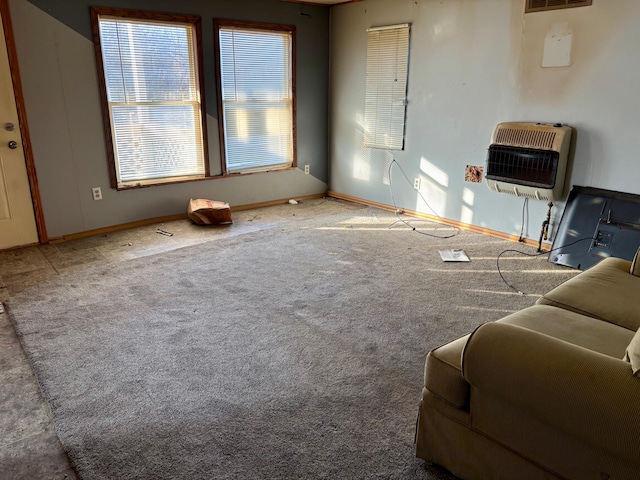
column 199, row 179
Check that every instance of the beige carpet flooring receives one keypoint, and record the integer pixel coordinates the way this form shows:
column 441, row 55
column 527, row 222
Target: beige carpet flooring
column 289, row 350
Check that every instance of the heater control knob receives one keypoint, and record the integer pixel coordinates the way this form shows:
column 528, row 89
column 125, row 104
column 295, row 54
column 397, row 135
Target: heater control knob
column 557, row 125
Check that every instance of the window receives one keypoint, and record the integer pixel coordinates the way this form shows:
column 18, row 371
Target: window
column 386, row 90
column 150, row 84
column 256, row 95
column 542, row 5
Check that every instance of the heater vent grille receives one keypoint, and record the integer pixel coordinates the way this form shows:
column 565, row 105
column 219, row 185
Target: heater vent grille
column 528, row 159
column 537, row 139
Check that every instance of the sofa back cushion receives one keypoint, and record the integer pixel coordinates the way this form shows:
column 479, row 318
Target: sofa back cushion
column 606, row 291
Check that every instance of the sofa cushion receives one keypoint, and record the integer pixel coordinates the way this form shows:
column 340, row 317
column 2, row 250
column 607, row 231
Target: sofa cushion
column 587, row 332
column 632, row 353
column 606, row 291
column 442, row 373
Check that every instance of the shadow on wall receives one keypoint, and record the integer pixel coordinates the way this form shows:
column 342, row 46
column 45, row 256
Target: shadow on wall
column 586, row 32
column 587, row 168
column 431, row 184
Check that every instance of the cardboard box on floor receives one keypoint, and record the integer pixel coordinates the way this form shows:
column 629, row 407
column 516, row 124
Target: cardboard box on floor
column 208, row 212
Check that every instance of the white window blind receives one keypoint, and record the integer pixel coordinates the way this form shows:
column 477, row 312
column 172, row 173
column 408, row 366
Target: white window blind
column 257, row 98
column 386, row 88
column 153, row 97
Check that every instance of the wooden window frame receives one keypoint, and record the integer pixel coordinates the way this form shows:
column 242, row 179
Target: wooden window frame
column 217, row 24
column 143, row 15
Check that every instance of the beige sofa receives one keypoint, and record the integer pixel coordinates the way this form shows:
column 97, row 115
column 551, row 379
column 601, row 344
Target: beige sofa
column 545, row 393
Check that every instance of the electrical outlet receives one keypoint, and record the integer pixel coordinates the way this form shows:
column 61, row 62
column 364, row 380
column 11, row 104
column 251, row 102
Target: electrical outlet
column 306, row 169
column 416, row 183
column 97, row 193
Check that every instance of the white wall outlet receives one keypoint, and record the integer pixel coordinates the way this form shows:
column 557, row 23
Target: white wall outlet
column 306, row 169
column 416, row 183
column 97, row 193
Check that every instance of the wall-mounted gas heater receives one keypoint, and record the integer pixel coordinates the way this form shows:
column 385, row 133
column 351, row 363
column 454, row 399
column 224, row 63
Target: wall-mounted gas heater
column 528, row 160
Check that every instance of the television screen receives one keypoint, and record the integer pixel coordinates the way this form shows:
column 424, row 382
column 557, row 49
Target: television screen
column 596, row 224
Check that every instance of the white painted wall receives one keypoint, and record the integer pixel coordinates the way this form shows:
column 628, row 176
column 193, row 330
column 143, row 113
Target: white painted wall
column 474, row 64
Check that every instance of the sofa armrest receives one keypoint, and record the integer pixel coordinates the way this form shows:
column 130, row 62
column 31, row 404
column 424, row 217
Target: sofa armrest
column 591, row 396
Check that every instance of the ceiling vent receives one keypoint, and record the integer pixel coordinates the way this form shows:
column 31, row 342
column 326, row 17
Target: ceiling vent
column 542, row 5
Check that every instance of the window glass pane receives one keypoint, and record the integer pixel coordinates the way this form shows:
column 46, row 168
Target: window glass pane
column 157, row 141
column 258, row 135
column 148, row 63
column 153, row 98
column 257, row 98
column 243, row 54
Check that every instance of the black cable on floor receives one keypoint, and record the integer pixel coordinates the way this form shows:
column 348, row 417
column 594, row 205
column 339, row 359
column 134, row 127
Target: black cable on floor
column 537, row 254
column 524, row 207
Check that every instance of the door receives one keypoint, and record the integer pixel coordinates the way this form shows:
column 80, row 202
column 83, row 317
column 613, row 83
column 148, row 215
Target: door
column 17, row 218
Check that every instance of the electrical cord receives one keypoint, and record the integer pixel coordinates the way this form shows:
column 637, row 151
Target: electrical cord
column 397, row 213
column 457, row 229
column 524, row 207
column 537, row 254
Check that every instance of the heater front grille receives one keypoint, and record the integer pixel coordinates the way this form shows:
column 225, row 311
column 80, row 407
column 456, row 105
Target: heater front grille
column 522, row 166
column 528, row 159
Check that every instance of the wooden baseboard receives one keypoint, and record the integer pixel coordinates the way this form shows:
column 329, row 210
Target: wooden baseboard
column 116, row 228
column 271, row 203
column 171, row 218
column 446, row 221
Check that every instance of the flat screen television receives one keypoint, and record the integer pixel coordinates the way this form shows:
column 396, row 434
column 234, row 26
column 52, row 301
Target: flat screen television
column 596, row 224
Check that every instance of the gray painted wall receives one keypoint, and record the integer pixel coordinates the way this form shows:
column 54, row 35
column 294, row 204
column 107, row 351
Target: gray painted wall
column 474, row 64
column 60, row 84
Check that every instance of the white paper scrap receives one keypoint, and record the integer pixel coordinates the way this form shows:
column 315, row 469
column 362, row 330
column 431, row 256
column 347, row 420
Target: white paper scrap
column 455, row 255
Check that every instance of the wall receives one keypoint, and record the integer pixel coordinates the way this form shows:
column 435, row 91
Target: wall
column 60, row 84
column 472, row 65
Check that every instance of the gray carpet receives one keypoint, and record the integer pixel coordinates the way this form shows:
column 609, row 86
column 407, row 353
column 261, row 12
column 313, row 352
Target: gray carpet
column 292, row 352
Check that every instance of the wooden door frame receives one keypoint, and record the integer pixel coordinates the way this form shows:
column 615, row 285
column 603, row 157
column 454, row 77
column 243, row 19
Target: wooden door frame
column 22, row 120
